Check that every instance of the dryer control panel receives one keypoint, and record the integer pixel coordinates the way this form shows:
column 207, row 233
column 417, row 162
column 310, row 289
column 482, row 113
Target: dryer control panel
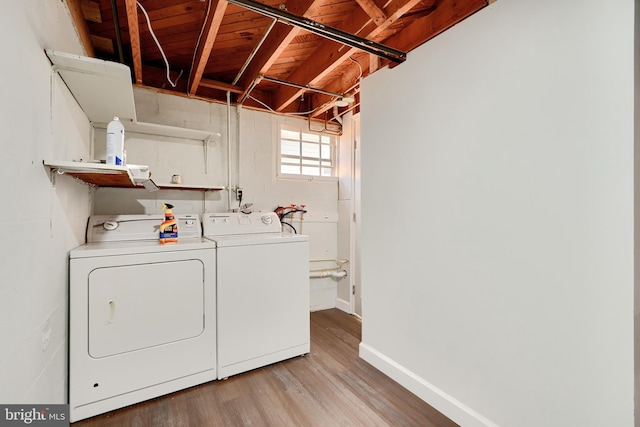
column 118, row 228
column 223, row 224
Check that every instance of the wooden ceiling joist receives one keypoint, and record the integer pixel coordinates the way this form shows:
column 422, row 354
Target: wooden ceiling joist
column 330, row 54
column 325, row 31
column 210, row 31
column 276, row 42
column 375, row 13
column 79, row 21
column 351, row 74
column 226, row 48
column 134, row 38
column 374, row 64
column 212, row 84
column 103, row 44
column 441, row 18
column 91, row 10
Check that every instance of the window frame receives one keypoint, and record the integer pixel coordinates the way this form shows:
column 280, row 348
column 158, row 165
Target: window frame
column 301, row 130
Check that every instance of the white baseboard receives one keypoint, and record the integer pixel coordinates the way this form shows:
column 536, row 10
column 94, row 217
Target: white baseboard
column 448, row 405
column 343, row 305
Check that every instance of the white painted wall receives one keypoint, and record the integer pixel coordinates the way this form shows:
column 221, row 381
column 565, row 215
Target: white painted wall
column 497, row 216
column 43, row 219
column 253, row 136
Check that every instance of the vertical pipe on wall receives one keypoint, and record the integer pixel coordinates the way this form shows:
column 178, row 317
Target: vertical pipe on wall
column 229, row 151
column 238, row 134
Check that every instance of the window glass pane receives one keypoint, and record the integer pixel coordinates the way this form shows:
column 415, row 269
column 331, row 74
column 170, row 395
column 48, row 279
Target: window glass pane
column 290, row 169
column 290, row 148
column 310, row 137
column 289, row 134
column 310, row 150
column 309, row 170
column 311, row 162
column 290, row 160
column 326, row 152
column 305, row 153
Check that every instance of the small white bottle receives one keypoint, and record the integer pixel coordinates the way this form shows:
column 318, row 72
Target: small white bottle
column 115, row 142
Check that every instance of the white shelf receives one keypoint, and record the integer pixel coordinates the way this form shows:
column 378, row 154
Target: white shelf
column 162, row 186
column 98, row 174
column 102, row 175
column 103, row 90
column 161, row 130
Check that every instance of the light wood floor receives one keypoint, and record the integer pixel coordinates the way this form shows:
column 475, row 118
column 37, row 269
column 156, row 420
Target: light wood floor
column 329, row 387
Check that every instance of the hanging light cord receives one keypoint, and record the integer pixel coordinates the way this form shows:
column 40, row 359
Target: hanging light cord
column 159, row 47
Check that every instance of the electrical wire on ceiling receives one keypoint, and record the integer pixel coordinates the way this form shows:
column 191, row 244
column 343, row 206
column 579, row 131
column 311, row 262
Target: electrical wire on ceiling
column 261, row 103
column 304, row 113
column 166, row 62
column 291, row 113
column 359, row 66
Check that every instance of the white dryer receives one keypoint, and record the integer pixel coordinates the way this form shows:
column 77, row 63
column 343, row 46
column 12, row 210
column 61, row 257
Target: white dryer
column 263, row 290
column 142, row 317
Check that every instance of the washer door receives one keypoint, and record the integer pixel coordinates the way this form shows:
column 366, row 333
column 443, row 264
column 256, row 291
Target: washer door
column 138, row 306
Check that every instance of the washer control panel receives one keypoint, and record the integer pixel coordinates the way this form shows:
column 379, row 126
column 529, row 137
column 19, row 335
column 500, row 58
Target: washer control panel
column 223, row 224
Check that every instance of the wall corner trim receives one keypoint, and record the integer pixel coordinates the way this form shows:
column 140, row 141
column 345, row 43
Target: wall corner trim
column 445, row 403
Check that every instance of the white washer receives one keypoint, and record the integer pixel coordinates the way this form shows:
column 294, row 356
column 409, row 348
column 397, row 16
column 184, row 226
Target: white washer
column 142, row 319
column 263, row 290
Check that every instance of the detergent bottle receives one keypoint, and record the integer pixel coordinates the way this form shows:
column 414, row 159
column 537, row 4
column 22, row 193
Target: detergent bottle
column 115, row 143
column 169, row 227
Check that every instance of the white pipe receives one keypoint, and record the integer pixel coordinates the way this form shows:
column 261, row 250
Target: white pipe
column 333, row 274
column 229, row 151
column 326, row 269
column 238, row 136
column 337, row 261
column 336, row 116
column 254, row 52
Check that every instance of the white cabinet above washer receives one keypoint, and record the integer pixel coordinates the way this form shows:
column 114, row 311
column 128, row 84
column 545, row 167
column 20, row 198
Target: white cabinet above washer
column 103, row 89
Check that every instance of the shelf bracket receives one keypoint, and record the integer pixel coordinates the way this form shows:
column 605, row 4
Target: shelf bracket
column 52, row 176
column 150, row 185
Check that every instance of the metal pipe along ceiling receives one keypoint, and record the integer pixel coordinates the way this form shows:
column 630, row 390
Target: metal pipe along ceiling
column 116, row 24
column 299, row 86
column 261, row 77
column 254, row 51
column 330, row 33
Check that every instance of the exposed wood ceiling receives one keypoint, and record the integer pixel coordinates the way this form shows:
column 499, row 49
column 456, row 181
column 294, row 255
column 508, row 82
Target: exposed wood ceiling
column 215, row 47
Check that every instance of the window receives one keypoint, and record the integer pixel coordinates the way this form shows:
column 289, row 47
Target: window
column 305, row 153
